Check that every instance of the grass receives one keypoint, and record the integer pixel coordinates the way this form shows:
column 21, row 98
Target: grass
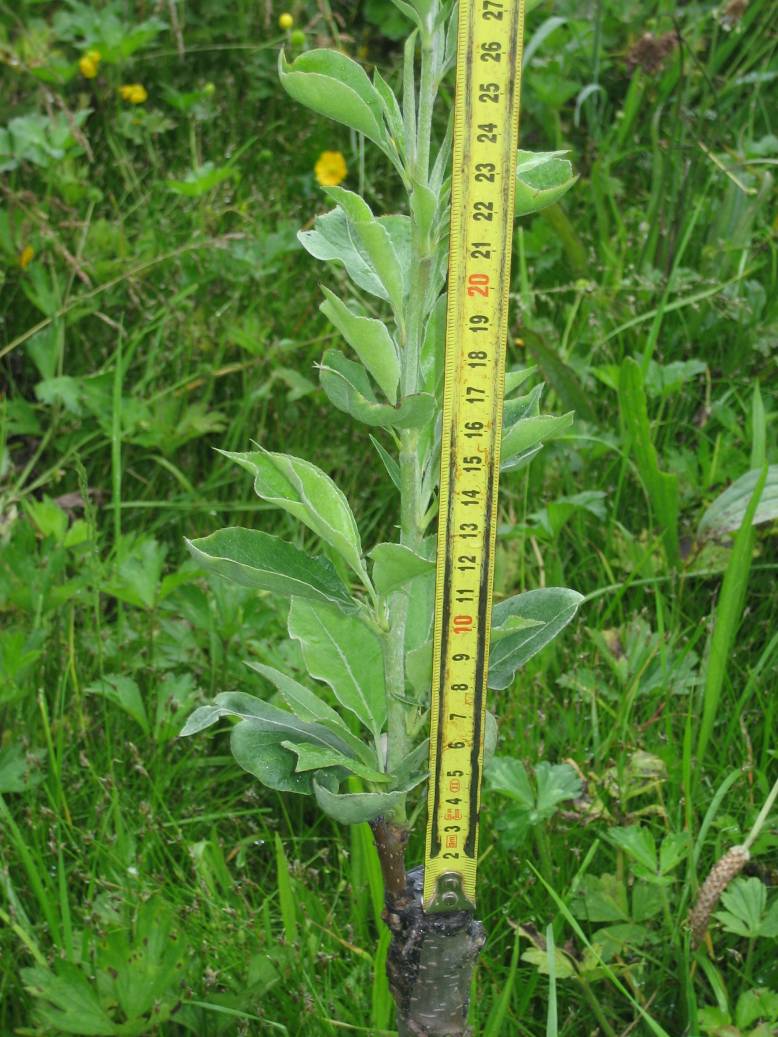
column 153, row 325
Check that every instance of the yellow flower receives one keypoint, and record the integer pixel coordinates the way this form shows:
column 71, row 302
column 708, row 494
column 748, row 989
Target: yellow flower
column 286, row 21
column 26, row 256
column 90, row 63
column 330, row 169
column 135, row 93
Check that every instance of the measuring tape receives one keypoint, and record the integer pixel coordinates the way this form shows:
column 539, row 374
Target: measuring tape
column 486, row 130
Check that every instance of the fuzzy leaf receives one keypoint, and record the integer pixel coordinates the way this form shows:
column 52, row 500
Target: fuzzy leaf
column 553, row 607
column 314, row 758
column 262, row 753
column 306, row 492
column 264, row 717
column 542, row 178
column 351, row 808
column 332, row 84
column 392, row 113
column 726, row 513
column 345, row 653
column 374, row 242
column 306, row 705
column 348, row 388
column 530, row 432
column 263, row 562
column 331, row 239
column 394, row 565
column 370, row 340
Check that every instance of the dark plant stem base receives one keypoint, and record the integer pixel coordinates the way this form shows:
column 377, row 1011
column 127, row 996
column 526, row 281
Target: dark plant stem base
column 430, row 963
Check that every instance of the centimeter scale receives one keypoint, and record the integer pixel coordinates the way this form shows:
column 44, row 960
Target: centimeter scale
column 486, row 127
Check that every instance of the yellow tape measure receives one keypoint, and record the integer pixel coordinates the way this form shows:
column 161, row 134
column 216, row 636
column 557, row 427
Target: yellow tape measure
column 486, row 130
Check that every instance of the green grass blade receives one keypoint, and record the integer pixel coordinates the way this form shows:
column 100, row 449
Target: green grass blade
column 728, row 615
column 381, row 1002
column 285, row 895
column 499, row 1011
column 552, row 1017
column 661, row 487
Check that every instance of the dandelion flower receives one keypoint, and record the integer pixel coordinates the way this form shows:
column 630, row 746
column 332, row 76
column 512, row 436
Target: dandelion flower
column 26, row 256
column 89, row 64
column 134, row 93
column 286, row 21
column 330, row 168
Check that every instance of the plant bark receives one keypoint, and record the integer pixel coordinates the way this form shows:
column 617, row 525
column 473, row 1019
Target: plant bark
column 431, row 956
column 430, row 963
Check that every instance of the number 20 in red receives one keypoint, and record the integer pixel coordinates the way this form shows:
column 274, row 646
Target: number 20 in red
column 478, row 284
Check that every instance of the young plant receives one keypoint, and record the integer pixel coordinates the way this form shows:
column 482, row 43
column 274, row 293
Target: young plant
column 353, row 737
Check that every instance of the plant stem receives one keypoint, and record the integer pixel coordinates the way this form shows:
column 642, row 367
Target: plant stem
column 412, row 507
column 596, row 1007
column 427, row 92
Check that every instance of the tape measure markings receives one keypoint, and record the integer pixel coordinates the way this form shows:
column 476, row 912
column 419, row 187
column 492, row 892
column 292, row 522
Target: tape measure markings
column 486, row 114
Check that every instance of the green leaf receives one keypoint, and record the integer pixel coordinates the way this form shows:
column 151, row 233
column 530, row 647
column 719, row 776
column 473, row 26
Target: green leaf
column 375, row 243
column 661, row 487
column 540, row 959
column 144, row 965
column 542, row 178
column 638, row 844
column 391, row 466
column 745, row 904
column 553, row 784
column 176, row 693
column 395, row 565
column 264, row 717
column 331, row 239
column 530, row 432
column 256, row 741
column 347, row 655
column 261, row 753
column 753, row 1005
column 314, row 758
column 431, row 358
column 509, row 777
column 332, row 84
column 124, row 692
column 392, row 113
column 413, row 769
column 553, row 607
column 66, row 1002
column 418, row 669
column 354, row 807
column 19, row 771
column 512, row 625
column 348, row 388
column 491, row 736
column 674, row 849
column 727, row 512
column 263, row 562
column 201, row 180
column 370, row 340
column 556, row 783
column 602, row 898
column 306, row 705
column 306, row 492
column 559, row 375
